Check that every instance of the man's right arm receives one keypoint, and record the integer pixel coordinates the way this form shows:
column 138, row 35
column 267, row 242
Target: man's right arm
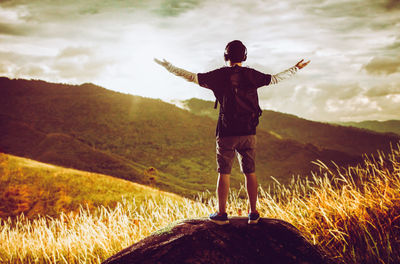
column 187, row 75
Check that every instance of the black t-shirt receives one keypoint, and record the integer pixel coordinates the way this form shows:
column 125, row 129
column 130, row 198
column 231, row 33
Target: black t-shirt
column 221, row 81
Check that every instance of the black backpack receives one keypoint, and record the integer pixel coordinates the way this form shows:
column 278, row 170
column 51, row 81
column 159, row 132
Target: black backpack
column 239, row 108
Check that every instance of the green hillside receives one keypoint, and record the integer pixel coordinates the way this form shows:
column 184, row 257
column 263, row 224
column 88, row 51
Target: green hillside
column 389, row 126
column 71, row 152
column 33, row 188
column 39, row 120
column 201, row 107
column 91, row 128
column 351, row 140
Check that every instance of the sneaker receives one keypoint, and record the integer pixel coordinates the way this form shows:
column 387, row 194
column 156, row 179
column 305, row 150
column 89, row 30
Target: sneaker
column 254, row 218
column 220, row 219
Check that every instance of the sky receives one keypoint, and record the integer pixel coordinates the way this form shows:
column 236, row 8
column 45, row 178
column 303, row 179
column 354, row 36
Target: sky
column 353, row 45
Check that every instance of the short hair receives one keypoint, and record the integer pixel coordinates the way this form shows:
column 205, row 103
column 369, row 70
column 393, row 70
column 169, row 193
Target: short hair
column 235, row 51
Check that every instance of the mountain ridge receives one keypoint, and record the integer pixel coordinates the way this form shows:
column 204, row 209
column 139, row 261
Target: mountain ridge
column 351, row 140
column 178, row 143
column 388, row 126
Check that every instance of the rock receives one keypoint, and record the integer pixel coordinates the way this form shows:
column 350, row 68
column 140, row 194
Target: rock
column 201, row 241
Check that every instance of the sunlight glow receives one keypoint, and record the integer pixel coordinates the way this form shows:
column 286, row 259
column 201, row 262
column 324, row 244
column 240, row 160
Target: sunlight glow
column 114, row 47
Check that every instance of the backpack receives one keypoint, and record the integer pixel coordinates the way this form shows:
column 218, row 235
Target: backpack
column 239, row 109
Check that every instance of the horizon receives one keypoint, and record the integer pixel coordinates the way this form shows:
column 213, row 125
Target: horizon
column 178, row 103
column 113, row 45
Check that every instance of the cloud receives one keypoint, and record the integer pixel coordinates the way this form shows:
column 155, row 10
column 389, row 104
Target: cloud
column 17, row 65
column 339, row 91
column 79, row 64
column 14, row 29
column 73, row 65
column 12, row 23
column 319, row 101
column 4, row 69
column 42, row 11
column 30, row 69
column 353, row 46
column 175, row 7
column 395, row 46
column 383, row 65
column 357, row 106
column 72, row 51
column 392, row 4
column 381, row 91
column 85, row 71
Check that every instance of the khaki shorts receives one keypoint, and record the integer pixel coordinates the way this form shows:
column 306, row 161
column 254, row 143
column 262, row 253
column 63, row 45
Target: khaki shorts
column 245, row 148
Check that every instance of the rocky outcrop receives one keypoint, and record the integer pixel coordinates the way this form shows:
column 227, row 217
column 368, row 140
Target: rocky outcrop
column 201, row 241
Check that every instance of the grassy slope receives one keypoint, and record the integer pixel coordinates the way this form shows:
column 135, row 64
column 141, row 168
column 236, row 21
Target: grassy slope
column 352, row 214
column 67, row 151
column 35, row 188
column 92, row 128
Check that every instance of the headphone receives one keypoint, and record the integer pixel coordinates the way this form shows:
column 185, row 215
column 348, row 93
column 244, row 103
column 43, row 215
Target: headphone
column 235, row 50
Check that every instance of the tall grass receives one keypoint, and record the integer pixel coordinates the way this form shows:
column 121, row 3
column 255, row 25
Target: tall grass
column 351, row 213
column 89, row 237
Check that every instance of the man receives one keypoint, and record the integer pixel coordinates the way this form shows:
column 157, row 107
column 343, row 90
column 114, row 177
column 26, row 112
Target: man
column 235, row 88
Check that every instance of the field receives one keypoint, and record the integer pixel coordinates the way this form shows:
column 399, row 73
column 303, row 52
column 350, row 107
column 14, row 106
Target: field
column 352, row 213
column 90, row 128
column 36, row 188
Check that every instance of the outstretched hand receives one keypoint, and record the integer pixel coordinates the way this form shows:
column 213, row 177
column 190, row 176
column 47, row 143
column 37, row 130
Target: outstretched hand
column 301, row 64
column 163, row 63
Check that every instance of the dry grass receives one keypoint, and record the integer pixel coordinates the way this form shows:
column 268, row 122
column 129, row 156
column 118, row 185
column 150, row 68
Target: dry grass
column 352, row 213
column 88, row 237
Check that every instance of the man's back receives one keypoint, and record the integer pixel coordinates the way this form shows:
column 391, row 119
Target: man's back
column 236, row 90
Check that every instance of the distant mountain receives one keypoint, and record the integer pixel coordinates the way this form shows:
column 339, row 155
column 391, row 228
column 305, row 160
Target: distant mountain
column 91, row 128
column 353, row 141
column 389, row 126
column 201, row 107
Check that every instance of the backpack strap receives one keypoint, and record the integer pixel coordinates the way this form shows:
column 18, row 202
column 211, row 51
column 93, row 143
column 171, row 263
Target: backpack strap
column 216, row 104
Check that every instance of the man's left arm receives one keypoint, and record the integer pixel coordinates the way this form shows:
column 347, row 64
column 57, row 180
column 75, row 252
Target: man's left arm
column 187, row 75
column 276, row 78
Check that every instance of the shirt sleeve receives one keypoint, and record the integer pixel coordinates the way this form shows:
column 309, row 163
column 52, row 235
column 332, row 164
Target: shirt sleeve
column 187, row 75
column 259, row 79
column 210, row 80
column 213, row 80
column 276, row 78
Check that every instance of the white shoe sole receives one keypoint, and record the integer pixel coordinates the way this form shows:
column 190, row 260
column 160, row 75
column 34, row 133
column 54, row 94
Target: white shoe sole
column 220, row 222
column 253, row 222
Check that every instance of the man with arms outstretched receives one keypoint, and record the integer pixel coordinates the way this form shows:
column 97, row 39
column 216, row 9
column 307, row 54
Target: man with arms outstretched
column 235, row 88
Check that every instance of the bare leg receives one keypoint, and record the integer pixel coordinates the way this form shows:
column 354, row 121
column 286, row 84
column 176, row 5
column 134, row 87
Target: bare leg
column 252, row 185
column 223, row 191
